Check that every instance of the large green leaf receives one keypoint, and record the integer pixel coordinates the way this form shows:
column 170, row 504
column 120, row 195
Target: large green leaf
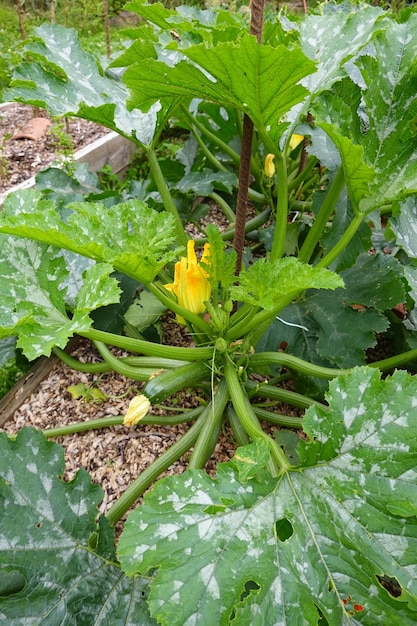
column 260, row 80
column 265, row 282
column 379, row 154
column 132, row 237
column 57, row 564
column 33, row 299
column 334, row 38
column 403, row 226
column 336, row 535
column 66, row 80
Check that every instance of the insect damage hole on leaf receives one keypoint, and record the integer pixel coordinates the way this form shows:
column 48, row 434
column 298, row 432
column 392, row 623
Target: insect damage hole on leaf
column 283, row 529
column 390, row 584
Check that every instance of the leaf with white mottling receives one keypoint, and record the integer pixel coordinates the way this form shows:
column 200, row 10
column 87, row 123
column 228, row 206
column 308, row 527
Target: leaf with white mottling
column 33, row 301
column 334, row 37
column 379, row 155
column 65, row 79
column 132, row 237
column 338, row 534
column 57, row 564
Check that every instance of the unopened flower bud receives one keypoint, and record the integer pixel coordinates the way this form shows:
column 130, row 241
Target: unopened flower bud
column 269, row 167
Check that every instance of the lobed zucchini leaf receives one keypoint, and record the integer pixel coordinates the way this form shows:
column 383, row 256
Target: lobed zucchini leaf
column 134, row 238
column 335, row 536
column 379, row 153
column 259, row 80
column 57, row 563
column 266, row 282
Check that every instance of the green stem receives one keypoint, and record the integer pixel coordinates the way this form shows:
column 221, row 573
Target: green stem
column 134, row 361
column 225, row 207
column 286, row 421
column 239, row 432
column 211, row 136
column 165, row 194
column 264, row 390
column 208, row 154
column 252, row 224
column 147, row 347
column 294, row 183
column 320, row 222
column 117, row 420
column 278, row 243
column 166, row 298
column 247, row 416
column 151, row 473
column 262, row 359
column 135, row 373
column 343, row 241
column 385, row 365
column 259, row 320
column 209, row 433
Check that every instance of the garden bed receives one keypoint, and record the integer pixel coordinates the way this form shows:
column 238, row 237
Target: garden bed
column 21, row 159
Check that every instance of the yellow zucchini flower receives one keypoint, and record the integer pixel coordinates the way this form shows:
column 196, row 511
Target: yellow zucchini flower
column 295, row 140
column 137, row 409
column 269, row 167
column 191, row 284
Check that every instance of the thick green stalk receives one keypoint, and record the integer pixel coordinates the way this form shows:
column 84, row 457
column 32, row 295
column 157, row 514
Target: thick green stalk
column 117, row 420
column 165, row 194
column 134, row 373
column 278, row 243
column 225, row 207
column 211, row 158
column 209, row 433
column 252, row 224
column 151, row 473
column 224, row 147
column 278, row 394
column 242, row 191
column 247, row 416
column 147, row 347
column 343, row 241
column 166, row 298
column 286, row 421
column 262, row 359
column 148, row 362
column 386, row 365
column 320, row 222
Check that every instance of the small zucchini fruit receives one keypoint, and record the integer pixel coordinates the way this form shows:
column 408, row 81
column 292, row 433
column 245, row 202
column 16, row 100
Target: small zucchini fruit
column 164, row 385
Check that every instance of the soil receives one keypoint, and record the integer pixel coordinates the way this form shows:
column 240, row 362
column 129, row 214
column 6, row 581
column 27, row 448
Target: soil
column 20, row 159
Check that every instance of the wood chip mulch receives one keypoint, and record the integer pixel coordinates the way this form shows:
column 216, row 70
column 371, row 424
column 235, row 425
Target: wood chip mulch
column 113, row 456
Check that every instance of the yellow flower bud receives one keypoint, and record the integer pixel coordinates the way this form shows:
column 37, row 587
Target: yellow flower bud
column 295, row 140
column 191, row 285
column 269, row 167
column 138, row 408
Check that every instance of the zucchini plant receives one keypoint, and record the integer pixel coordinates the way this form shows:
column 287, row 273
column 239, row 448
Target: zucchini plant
column 317, row 117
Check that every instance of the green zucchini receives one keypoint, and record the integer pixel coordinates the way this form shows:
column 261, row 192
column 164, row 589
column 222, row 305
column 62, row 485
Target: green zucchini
column 164, row 385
